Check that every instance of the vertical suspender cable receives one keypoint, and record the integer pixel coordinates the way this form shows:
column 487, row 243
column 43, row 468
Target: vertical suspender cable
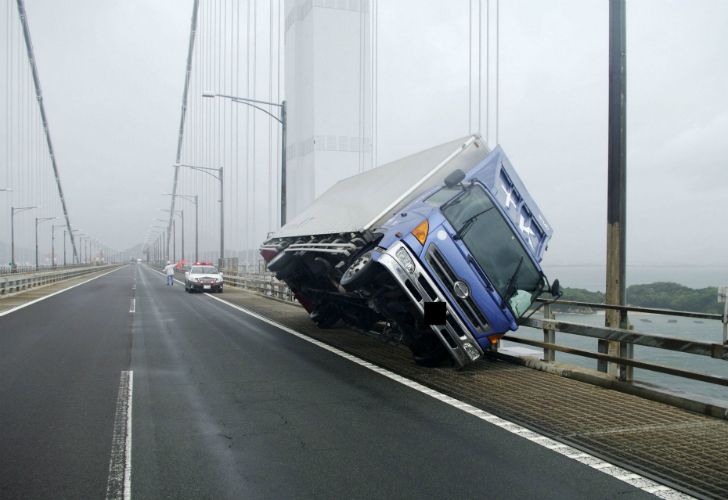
column 39, row 97
column 480, row 61
column 497, row 70
column 188, row 70
column 470, row 67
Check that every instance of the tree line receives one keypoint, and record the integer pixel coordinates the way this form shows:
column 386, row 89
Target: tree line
column 663, row 295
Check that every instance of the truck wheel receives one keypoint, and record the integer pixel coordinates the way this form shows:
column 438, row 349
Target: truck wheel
column 359, row 271
column 428, row 351
column 282, row 265
column 325, row 317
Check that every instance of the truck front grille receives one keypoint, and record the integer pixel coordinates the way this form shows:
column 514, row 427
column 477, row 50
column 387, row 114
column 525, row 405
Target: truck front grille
column 447, row 278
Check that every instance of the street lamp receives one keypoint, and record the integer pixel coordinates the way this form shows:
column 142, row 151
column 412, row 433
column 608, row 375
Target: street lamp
column 81, row 236
column 173, row 238
column 13, row 211
column 182, row 214
column 159, row 241
column 209, row 171
column 282, row 119
column 38, row 220
column 64, row 243
column 193, row 199
column 53, row 242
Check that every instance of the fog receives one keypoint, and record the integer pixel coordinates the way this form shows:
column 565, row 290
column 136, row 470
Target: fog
column 112, row 76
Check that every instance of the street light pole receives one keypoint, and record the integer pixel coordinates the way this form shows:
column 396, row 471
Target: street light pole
column 219, row 176
column 282, row 119
column 13, row 211
column 37, row 221
column 53, row 242
column 192, row 199
column 182, row 215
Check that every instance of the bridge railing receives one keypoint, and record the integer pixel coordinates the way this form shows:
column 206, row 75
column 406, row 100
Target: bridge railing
column 624, row 358
column 265, row 283
column 18, row 282
column 7, row 270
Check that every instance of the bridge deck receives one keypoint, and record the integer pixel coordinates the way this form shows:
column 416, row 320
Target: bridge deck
column 674, row 446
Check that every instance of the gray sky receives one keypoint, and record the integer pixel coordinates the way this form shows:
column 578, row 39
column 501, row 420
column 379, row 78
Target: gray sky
column 112, row 75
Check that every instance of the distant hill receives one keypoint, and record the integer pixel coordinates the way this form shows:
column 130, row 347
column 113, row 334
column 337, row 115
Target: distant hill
column 663, row 295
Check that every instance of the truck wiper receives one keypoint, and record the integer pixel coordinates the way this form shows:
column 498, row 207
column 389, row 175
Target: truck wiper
column 512, row 284
column 468, row 223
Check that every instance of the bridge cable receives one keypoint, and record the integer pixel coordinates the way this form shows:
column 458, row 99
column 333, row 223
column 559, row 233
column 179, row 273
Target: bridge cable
column 180, row 136
column 39, row 97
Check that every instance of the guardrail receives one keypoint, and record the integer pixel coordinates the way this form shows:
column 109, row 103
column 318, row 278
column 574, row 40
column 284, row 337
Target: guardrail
column 7, row 270
column 263, row 283
column 625, row 359
column 15, row 283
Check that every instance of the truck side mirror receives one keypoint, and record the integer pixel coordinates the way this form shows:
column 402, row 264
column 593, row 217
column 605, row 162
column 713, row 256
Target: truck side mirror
column 454, row 178
column 556, row 290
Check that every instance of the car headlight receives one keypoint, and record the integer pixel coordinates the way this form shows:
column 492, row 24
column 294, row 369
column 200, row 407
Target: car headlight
column 405, row 260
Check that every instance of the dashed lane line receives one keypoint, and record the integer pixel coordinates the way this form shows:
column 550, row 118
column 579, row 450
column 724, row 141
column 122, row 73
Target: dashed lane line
column 118, row 486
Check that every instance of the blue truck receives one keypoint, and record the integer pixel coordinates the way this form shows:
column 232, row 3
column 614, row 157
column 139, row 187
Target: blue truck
column 442, row 248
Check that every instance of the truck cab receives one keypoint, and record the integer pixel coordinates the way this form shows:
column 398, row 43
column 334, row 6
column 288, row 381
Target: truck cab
column 474, row 243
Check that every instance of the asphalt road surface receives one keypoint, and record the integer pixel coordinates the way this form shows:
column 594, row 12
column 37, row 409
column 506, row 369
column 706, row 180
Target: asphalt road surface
column 227, row 406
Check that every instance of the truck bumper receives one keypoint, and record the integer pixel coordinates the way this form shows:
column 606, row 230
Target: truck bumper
column 421, row 288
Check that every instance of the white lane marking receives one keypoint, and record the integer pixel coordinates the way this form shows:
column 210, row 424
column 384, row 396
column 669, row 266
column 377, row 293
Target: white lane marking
column 21, row 306
column 132, row 306
column 118, row 486
column 635, row 480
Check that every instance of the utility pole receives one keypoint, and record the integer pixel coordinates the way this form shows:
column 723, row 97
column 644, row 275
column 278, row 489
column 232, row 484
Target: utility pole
column 617, row 186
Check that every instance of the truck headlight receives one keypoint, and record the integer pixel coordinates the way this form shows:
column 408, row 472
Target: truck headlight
column 405, row 260
column 471, row 351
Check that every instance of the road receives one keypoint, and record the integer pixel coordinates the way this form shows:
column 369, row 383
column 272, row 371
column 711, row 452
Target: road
column 226, row 405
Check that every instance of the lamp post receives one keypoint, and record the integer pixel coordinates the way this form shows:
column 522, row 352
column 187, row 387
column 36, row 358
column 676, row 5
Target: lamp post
column 38, row 220
column 53, row 242
column 80, row 253
column 13, row 211
column 64, row 243
column 159, row 243
column 181, row 213
column 193, row 199
column 173, row 238
column 218, row 176
column 282, row 119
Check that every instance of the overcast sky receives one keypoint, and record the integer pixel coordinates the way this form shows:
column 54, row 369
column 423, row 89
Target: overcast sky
column 112, row 74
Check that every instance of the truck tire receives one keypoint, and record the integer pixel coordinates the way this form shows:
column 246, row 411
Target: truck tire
column 283, row 265
column 358, row 272
column 428, row 351
column 325, row 317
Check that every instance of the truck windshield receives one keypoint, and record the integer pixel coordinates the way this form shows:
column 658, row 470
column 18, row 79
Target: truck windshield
column 495, row 247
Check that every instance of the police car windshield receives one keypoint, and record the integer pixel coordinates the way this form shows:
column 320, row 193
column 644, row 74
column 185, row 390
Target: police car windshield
column 203, row 270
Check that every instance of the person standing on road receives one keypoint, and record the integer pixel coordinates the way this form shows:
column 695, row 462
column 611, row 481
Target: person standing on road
column 169, row 271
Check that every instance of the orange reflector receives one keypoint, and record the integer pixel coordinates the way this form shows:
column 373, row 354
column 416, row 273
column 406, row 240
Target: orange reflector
column 420, row 232
column 494, row 339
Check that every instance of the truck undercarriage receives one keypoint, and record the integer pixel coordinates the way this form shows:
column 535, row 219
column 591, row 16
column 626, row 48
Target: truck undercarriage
column 335, row 279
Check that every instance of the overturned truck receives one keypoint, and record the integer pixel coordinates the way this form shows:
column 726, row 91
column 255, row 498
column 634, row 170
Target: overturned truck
column 442, row 247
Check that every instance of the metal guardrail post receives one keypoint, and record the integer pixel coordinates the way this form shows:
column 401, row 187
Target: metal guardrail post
column 549, row 335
